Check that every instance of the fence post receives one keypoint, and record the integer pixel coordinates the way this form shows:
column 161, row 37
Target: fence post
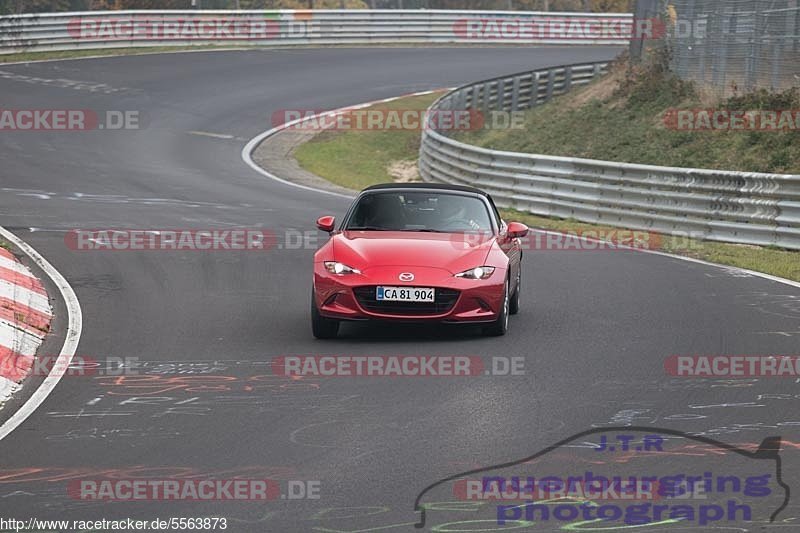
column 696, row 45
column 551, row 80
column 721, row 72
column 644, row 9
column 515, row 94
column 487, row 97
column 787, row 43
column 462, row 100
column 795, row 26
column 777, row 54
column 567, row 79
column 755, row 47
column 534, row 89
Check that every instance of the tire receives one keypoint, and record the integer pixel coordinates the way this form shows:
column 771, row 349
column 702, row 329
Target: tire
column 513, row 307
column 499, row 327
column 321, row 327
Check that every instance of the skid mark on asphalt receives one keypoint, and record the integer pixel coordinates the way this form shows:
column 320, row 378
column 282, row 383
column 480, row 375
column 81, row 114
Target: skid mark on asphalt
column 294, row 434
column 781, row 333
column 63, row 83
column 728, row 273
column 97, row 433
column 177, row 406
column 157, row 389
column 159, row 394
column 733, row 409
column 121, row 199
column 783, row 305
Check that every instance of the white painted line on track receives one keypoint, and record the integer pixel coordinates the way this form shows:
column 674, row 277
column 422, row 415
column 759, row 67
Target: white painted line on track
column 73, row 335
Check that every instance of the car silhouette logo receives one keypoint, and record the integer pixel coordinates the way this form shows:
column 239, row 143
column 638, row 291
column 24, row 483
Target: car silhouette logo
column 406, row 276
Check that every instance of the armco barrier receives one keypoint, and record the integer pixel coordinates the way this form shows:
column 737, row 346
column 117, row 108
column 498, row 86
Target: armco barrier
column 118, row 29
column 740, row 207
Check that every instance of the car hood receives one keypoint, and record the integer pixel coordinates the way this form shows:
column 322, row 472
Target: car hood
column 451, row 251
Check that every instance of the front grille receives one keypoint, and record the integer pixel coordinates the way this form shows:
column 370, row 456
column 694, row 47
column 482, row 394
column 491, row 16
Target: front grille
column 445, row 300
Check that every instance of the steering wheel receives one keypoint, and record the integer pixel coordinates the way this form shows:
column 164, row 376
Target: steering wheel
column 461, row 224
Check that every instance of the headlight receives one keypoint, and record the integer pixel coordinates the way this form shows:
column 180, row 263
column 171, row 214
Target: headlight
column 482, row 272
column 340, row 268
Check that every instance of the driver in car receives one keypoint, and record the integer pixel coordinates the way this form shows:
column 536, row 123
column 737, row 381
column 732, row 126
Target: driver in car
column 455, row 214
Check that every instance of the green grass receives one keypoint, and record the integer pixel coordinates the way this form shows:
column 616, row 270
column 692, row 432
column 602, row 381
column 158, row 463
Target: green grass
column 358, row 159
column 782, row 263
column 626, row 124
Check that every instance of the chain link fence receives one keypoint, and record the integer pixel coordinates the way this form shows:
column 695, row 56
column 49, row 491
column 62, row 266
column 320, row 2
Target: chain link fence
column 735, row 45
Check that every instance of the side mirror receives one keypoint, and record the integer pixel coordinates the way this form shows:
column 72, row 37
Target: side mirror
column 326, row 223
column 516, row 230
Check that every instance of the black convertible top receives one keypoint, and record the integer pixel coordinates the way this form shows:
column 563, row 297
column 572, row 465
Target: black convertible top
column 429, row 186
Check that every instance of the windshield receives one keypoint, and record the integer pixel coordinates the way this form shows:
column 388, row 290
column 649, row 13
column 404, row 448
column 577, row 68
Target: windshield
column 419, row 211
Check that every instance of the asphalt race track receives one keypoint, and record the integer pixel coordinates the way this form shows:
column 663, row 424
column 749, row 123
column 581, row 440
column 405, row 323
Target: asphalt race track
column 594, row 331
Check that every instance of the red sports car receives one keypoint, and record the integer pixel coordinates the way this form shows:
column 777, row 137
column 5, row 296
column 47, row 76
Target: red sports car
column 418, row 252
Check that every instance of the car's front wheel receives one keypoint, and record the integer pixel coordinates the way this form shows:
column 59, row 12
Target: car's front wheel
column 499, row 327
column 321, row 327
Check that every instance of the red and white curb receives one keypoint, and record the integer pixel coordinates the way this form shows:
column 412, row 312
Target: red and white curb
column 25, row 316
column 72, row 335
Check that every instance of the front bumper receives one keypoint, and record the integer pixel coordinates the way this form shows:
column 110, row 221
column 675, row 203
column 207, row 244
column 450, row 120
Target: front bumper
column 352, row 296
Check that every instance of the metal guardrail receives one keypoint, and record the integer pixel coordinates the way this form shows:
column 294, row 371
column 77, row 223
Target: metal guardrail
column 739, row 207
column 118, row 29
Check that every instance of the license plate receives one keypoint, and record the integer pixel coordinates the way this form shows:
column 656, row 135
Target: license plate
column 405, row 294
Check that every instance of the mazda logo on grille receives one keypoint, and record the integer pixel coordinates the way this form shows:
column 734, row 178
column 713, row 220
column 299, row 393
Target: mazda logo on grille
column 406, row 276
